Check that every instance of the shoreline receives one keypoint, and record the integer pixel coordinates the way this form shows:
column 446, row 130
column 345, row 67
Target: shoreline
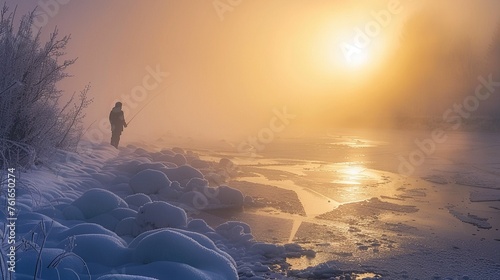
column 394, row 215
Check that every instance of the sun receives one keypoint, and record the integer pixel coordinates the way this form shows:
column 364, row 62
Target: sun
column 358, row 59
column 346, row 58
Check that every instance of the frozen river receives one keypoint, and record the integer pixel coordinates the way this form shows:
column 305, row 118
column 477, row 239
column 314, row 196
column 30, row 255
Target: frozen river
column 401, row 204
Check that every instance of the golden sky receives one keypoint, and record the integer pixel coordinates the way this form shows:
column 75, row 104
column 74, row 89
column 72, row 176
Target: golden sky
column 231, row 63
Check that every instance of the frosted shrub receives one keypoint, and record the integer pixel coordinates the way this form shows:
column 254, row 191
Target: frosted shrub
column 32, row 120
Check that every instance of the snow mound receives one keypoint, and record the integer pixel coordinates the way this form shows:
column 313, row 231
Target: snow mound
column 100, row 207
column 200, row 226
column 102, row 249
column 173, row 192
column 196, row 184
column 137, row 200
column 183, row 174
column 198, row 194
column 97, row 201
column 122, row 189
column 179, row 160
column 128, row 227
column 159, row 214
column 149, row 181
column 151, row 165
column 171, row 246
column 72, row 212
column 132, row 166
column 234, row 231
column 123, row 213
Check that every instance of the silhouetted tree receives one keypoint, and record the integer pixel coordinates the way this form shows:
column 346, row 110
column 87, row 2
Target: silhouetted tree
column 32, row 121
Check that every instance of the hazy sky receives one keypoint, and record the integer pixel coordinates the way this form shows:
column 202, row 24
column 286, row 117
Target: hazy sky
column 232, row 64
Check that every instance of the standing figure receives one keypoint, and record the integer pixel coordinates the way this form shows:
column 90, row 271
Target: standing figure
column 117, row 121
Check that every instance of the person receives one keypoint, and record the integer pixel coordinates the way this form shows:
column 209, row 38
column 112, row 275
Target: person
column 117, row 121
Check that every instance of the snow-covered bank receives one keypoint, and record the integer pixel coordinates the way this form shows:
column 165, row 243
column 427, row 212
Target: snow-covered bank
column 117, row 215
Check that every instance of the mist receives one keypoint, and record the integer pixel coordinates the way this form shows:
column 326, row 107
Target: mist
column 201, row 71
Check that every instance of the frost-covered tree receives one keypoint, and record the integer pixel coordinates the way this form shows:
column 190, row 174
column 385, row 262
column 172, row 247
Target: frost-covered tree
column 32, row 119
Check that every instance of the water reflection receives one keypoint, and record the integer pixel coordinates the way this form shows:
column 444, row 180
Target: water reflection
column 352, row 181
column 350, row 175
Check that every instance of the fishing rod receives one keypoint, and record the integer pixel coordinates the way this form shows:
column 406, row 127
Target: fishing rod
column 133, row 117
column 140, row 110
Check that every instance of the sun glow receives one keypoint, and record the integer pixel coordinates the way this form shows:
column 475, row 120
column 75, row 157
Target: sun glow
column 355, row 60
column 358, row 60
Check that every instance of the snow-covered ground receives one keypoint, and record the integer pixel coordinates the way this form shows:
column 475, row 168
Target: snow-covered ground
column 331, row 207
column 110, row 214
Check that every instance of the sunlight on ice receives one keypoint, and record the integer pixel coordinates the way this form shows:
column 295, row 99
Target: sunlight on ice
column 353, row 178
column 353, row 174
column 350, row 175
